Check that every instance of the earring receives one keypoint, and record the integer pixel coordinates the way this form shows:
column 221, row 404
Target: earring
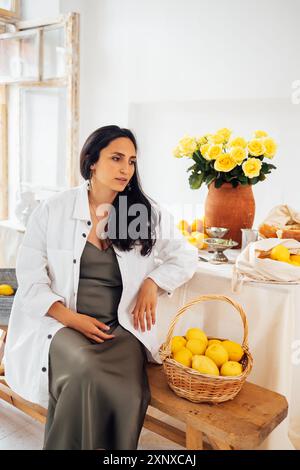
column 90, row 178
column 129, row 188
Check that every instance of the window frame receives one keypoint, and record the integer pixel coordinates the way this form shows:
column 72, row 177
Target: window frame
column 12, row 15
column 3, row 153
column 70, row 22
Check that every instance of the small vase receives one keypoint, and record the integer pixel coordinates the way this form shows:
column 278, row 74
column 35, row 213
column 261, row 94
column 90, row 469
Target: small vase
column 229, row 207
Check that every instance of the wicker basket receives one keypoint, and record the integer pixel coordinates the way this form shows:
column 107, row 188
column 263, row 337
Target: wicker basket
column 191, row 384
column 7, row 276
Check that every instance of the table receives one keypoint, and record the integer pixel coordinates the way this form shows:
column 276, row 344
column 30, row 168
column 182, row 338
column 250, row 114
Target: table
column 274, row 332
column 11, row 236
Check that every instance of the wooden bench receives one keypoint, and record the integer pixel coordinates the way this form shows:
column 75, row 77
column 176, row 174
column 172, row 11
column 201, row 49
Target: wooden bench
column 242, row 423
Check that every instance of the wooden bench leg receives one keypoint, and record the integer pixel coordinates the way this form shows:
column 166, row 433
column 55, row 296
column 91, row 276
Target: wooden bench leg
column 218, row 445
column 194, row 438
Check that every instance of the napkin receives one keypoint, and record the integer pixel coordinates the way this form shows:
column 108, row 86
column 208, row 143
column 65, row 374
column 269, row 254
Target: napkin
column 282, row 215
column 249, row 267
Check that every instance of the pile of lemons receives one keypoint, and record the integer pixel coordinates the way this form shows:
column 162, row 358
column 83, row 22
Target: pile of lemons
column 212, row 357
column 194, row 232
column 282, row 253
column 6, row 289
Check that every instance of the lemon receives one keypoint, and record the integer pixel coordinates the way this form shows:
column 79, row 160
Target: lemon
column 217, row 353
column 204, row 365
column 196, row 346
column 184, row 356
column 197, row 225
column 295, row 258
column 196, row 333
column 183, row 225
column 177, row 343
column 214, row 341
column 235, row 350
column 6, row 289
column 280, row 253
column 294, row 263
column 197, row 239
column 192, row 238
column 231, row 368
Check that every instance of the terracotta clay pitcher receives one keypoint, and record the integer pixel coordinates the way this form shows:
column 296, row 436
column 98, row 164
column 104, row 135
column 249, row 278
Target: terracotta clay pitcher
column 229, row 207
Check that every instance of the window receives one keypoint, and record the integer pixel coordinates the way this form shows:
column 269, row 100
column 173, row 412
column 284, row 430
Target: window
column 9, row 10
column 19, row 56
column 39, row 108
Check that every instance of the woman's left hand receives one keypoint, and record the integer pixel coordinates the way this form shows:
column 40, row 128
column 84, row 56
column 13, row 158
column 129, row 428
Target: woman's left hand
column 145, row 305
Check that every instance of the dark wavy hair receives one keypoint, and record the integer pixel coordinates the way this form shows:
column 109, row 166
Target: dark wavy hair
column 89, row 155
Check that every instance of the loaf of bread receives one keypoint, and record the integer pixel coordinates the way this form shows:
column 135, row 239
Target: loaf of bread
column 288, row 231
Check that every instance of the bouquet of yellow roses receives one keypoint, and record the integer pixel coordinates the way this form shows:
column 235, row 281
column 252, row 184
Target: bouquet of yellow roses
column 219, row 158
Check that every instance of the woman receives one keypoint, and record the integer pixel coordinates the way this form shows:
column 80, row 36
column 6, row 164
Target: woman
column 83, row 320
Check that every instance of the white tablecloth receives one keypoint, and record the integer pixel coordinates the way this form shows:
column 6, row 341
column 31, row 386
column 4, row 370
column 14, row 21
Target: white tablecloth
column 11, row 236
column 274, row 333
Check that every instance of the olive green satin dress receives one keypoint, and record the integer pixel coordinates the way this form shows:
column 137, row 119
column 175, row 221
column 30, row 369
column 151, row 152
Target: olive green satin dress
column 98, row 392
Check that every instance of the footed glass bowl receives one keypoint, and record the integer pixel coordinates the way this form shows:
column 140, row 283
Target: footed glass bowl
column 216, row 232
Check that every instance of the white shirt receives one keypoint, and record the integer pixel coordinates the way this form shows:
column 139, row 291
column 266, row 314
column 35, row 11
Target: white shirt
column 47, row 270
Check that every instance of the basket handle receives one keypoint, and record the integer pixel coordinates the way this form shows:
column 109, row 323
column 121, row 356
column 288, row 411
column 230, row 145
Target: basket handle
column 203, row 298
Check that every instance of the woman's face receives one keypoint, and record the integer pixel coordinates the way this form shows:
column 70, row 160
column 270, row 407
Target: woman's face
column 116, row 164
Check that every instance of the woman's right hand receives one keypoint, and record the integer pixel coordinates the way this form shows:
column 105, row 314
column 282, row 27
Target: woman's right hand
column 90, row 327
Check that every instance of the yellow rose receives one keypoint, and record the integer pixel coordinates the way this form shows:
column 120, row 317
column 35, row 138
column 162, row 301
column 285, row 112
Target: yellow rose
column 177, row 152
column 251, row 167
column 226, row 133
column 256, row 147
column 203, row 149
column 217, row 139
column 238, row 154
column 202, row 140
column 224, row 163
column 260, row 134
column 270, row 147
column 238, row 142
column 213, row 152
column 188, row 145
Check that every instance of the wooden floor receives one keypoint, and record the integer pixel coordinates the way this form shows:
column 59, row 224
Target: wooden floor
column 20, row 432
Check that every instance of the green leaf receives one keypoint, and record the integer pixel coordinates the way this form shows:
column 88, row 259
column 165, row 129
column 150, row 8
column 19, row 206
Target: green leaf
column 267, row 167
column 254, row 180
column 235, row 183
column 262, row 177
column 199, row 162
column 193, row 167
column 210, row 178
column 218, row 182
column 197, row 157
column 196, row 180
column 243, row 180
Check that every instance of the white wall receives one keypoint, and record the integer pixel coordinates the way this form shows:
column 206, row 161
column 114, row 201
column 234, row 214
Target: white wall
column 35, row 9
column 169, row 67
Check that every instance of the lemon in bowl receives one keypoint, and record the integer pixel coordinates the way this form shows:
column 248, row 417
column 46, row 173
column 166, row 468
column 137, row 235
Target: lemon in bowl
column 6, row 289
column 177, row 343
column 235, row 350
column 231, row 369
column 217, row 353
column 184, row 357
